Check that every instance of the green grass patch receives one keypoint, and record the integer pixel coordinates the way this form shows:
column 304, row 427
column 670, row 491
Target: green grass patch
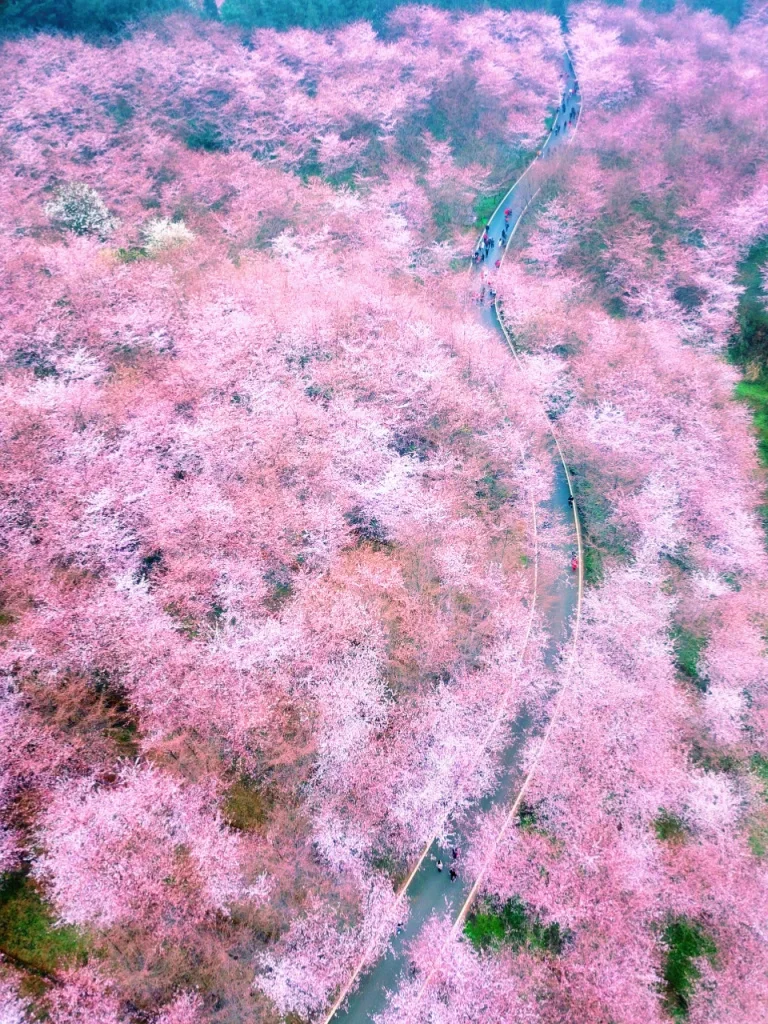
column 28, row 932
column 247, row 805
column 593, row 563
column 512, row 924
column 685, row 942
column 669, row 828
column 689, row 647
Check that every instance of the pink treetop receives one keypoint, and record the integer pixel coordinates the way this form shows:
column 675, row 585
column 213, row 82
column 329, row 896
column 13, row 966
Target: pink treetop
column 129, row 852
column 13, row 1009
column 186, row 1008
column 84, row 998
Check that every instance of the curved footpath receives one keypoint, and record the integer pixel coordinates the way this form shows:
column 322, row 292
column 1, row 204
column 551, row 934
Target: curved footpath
column 426, row 890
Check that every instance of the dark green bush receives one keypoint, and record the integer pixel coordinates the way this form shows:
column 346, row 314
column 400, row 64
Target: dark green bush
column 206, row 135
column 669, row 828
column 512, row 924
column 688, row 647
column 685, row 942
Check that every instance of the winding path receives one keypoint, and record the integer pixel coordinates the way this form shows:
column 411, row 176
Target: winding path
column 426, row 890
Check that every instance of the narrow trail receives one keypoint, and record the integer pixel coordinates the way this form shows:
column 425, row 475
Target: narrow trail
column 426, row 890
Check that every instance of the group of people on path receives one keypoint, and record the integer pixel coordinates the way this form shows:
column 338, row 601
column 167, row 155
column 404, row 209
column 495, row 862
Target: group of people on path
column 570, row 108
column 571, row 96
column 488, row 243
column 453, row 873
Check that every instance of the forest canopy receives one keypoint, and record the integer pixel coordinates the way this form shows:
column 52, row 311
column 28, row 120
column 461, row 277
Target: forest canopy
column 108, row 17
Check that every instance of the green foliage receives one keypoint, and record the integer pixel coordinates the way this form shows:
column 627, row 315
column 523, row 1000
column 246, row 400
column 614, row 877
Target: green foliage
column 492, row 490
column 601, row 536
column 121, row 111
column 149, row 566
column 366, row 527
column 749, row 345
column 413, row 442
column 512, row 924
column 527, row 818
column 669, row 828
column 755, row 394
column 28, row 933
column 712, row 758
column 688, row 647
column 269, row 229
column 758, row 827
column 31, row 359
column 685, row 942
column 91, row 17
column 759, row 766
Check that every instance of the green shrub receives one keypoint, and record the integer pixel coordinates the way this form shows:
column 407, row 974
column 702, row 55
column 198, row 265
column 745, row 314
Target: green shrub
column 749, row 344
column 669, row 828
column 366, row 527
column 685, row 943
column 512, row 924
column 206, row 136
